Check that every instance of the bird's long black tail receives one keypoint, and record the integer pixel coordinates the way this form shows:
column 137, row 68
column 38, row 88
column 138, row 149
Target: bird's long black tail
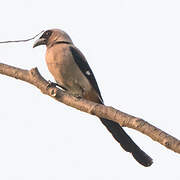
column 127, row 143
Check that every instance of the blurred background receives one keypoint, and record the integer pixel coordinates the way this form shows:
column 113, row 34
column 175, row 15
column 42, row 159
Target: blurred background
column 133, row 50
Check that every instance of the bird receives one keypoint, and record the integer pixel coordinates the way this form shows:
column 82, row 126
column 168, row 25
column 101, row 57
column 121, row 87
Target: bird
column 73, row 74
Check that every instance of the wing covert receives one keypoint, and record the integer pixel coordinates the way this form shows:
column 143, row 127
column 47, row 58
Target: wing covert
column 85, row 68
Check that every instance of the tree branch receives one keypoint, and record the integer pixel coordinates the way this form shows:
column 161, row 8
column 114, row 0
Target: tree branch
column 34, row 77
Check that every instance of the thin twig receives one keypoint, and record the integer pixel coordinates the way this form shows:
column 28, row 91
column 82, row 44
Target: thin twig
column 23, row 40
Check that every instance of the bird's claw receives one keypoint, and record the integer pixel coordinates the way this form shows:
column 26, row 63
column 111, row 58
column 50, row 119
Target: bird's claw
column 53, row 85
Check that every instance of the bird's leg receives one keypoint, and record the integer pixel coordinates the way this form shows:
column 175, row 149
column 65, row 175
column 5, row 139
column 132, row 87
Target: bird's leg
column 53, row 84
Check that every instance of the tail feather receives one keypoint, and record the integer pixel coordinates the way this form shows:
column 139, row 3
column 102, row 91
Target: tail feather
column 127, row 143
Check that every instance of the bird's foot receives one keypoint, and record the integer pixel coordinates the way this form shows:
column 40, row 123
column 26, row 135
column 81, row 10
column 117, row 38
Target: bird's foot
column 53, row 85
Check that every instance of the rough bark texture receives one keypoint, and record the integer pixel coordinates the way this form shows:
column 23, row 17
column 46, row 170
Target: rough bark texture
column 33, row 77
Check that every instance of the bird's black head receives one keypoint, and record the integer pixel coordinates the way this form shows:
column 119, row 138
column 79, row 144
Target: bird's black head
column 51, row 37
column 43, row 40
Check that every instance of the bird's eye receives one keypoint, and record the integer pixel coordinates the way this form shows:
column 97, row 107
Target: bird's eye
column 47, row 34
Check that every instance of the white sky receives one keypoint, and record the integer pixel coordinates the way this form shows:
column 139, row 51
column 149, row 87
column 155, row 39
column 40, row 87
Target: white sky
column 133, row 48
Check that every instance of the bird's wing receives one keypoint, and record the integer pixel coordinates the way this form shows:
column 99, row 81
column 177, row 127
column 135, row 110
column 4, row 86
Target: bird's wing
column 116, row 130
column 85, row 69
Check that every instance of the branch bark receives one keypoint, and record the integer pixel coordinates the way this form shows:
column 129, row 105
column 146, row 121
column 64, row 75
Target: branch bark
column 125, row 120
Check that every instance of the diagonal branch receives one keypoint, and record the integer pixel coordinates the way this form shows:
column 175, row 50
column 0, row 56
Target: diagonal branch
column 34, row 77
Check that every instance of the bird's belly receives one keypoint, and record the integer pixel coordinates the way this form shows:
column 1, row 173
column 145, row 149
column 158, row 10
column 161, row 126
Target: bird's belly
column 57, row 72
column 70, row 77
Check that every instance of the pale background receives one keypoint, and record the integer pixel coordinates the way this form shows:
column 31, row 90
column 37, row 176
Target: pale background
column 133, row 48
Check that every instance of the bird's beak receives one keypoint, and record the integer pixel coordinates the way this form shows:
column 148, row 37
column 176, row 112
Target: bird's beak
column 41, row 41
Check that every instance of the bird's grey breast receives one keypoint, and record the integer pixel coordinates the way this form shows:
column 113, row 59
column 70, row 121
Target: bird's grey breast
column 58, row 59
